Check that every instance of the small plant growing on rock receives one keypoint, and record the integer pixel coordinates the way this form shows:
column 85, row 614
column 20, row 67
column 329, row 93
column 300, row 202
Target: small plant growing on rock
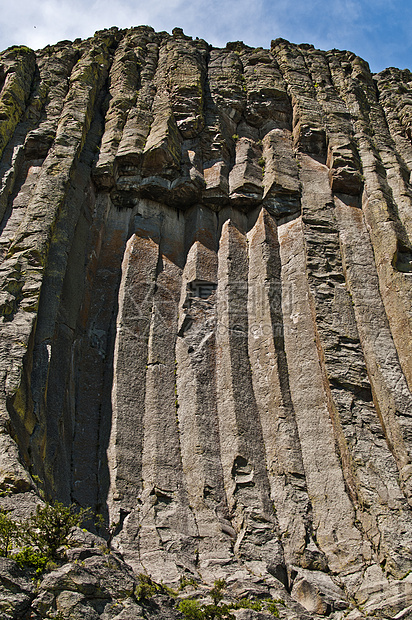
column 248, row 603
column 217, row 591
column 271, row 605
column 29, row 557
column 147, row 588
column 49, row 528
column 39, row 542
column 261, row 163
column 186, row 581
column 6, row 490
column 8, row 532
column 193, row 610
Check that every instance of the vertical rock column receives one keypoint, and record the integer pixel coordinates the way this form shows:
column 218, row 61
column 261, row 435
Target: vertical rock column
column 197, row 412
column 129, row 374
column 241, row 439
column 386, row 204
column 225, row 101
column 308, row 127
column 26, row 262
column 392, row 397
column 139, row 117
column 272, row 390
column 394, row 95
column 92, row 356
column 167, row 530
column 17, row 69
column 346, row 383
column 333, row 515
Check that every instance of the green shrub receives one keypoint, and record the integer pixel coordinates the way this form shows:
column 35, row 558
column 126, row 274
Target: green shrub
column 218, row 612
column 194, row 610
column 49, row 527
column 38, row 543
column 187, row 581
column 216, row 592
column 6, row 489
column 191, row 609
column 273, row 609
column 8, row 534
column 28, row 557
column 249, row 603
column 147, row 587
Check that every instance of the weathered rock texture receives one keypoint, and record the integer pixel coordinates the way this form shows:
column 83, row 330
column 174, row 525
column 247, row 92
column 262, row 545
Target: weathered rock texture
column 206, row 263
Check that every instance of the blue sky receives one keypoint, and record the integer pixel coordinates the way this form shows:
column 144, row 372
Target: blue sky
column 380, row 31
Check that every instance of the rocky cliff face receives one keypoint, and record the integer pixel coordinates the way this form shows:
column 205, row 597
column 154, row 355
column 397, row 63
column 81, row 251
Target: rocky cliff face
column 206, row 263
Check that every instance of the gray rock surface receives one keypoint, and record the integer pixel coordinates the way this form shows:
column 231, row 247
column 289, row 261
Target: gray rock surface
column 206, row 325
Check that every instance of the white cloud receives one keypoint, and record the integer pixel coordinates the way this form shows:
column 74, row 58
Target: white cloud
column 369, row 27
column 53, row 20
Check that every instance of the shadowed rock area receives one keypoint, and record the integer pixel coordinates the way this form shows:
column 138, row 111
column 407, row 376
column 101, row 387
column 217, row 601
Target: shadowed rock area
column 206, row 322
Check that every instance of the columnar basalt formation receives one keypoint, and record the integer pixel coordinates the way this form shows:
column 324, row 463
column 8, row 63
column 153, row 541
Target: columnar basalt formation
column 206, row 263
